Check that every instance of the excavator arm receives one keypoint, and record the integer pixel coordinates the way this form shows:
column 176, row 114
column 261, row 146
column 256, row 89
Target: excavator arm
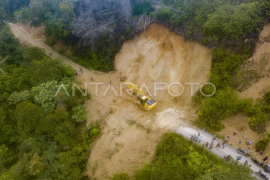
column 134, row 87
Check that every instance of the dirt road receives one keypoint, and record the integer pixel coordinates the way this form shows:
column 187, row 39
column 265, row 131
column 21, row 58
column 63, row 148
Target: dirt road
column 130, row 135
column 24, row 36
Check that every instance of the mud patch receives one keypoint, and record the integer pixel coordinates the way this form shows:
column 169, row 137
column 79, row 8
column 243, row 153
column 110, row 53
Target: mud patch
column 170, row 119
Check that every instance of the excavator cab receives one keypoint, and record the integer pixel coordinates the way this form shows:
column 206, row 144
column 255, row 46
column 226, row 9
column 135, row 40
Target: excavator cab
column 143, row 101
column 146, row 102
column 151, row 104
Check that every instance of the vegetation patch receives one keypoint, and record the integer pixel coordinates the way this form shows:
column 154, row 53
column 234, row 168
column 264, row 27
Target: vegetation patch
column 42, row 136
column 178, row 158
column 263, row 142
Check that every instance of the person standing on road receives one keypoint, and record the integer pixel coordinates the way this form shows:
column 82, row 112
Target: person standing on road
column 211, row 146
column 218, row 145
column 246, row 163
column 81, row 69
column 203, row 130
column 264, row 159
column 224, row 144
column 261, row 152
column 203, row 145
column 197, row 138
column 191, row 137
column 214, row 137
column 234, row 133
column 206, row 145
column 194, row 137
column 198, row 133
column 200, row 139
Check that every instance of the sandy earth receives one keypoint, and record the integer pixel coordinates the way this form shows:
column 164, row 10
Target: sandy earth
column 156, row 56
column 130, row 134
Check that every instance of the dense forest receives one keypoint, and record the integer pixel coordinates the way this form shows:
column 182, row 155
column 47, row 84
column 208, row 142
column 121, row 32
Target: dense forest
column 44, row 136
column 99, row 28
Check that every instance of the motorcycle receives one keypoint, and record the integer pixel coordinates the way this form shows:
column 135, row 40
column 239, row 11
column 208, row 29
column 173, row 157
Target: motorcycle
column 240, row 151
column 262, row 175
column 267, row 168
column 256, row 161
column 262, row 164
column 227, row 158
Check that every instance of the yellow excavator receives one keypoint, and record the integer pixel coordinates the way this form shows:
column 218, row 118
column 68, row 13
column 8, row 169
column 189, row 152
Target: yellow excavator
column 142, row 101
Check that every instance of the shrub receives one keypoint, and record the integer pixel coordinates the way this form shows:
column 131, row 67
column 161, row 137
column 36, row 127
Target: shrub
column 220, row 106
column 258, row 122
column 9, row 47
column 144, row 7
column 244, row 105
column 48, row 70
column 260, row 113
column 35, row 53
column 122, row 176
column 225, row 66
column 164, row 14
column 16, row 97
column 79, row 113
column 263, row 142
column 207, row 90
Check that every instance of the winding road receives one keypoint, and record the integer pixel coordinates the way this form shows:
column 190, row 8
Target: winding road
column 185, row 131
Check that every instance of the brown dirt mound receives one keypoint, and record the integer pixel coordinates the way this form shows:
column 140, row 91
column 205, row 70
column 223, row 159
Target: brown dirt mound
column 160, row 56
column 130, row 135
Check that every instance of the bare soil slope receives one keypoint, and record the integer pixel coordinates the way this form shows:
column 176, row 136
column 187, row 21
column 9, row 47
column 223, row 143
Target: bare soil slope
column 130, row 134
column 256, row 80
column 154, row 56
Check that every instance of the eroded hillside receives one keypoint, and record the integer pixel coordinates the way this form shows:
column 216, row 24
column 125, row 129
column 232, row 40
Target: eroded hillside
column 130, row 134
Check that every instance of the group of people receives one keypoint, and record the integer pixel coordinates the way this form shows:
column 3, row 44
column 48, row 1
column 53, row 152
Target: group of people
column 218, row 145
column 196, row 138
column 79, row 72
